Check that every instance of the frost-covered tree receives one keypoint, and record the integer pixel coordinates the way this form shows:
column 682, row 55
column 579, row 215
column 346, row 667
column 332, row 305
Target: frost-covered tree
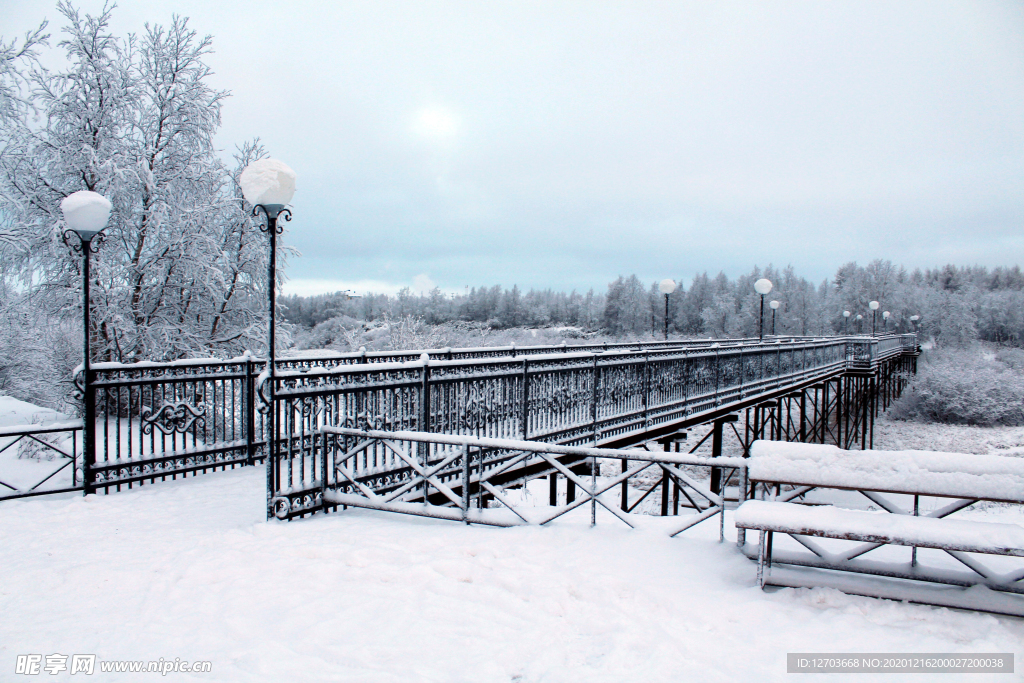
column 16, row 59
column 627, row 307
column 182, row 269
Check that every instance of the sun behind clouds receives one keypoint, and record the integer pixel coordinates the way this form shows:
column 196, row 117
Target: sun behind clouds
column 436, row 122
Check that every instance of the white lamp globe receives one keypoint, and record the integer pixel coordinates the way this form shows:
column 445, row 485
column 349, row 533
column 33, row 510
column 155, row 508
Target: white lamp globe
column 860, row 317
column 667, row 286
column 86, row 212
column 886, row 314
column 846, row 314
column 267, row 182
column 915, row 318
column 873, row 305
column 774, row 304
column 763, row 286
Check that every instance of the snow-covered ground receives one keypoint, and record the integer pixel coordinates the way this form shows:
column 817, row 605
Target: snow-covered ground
column 891, row 435
column 192, row 570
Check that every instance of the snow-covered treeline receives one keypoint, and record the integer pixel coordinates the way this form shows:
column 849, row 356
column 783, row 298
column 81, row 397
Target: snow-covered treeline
column 182, row 270
column 955, row 306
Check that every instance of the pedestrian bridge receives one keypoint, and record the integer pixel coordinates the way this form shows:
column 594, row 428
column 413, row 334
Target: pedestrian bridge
column 825, row 389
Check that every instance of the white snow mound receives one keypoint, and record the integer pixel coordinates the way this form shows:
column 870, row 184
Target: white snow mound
column 988, row 477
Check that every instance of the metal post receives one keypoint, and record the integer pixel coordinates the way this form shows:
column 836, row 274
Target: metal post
column 89, row 393
column 773, row 322
column 250, row 412
column 86, row 246
column 625, row 487
column 741, row 497
column 593, row 460
column 89, row 426
column 716, row 451
column 803, row 418
column 666, row 317
column 865, row 389
column 664, row 492
column 465, row 484
column 273, row 212
column 424, row 448
column 525, row 413
column 913, row 551
column 760, row 322
column 760, row 560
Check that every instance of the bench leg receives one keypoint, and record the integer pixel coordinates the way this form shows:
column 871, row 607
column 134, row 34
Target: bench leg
column 760, row 560
column 721, row 522
column 913, row 551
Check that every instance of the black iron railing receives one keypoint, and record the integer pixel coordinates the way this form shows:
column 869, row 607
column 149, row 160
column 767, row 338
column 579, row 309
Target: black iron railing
column 158, row 421
column 571, row 398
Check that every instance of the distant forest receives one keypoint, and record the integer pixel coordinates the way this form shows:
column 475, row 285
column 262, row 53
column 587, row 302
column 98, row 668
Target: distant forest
column 955, row 306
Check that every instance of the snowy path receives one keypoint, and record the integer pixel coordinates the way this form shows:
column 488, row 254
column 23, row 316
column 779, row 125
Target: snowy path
column 191, row 570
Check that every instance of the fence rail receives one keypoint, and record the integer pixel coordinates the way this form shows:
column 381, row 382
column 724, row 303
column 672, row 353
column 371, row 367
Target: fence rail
column 398, row 471
column 48, row 457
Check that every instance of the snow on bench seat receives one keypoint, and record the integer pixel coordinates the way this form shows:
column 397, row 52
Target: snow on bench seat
column 858, row 525
column 927, row 473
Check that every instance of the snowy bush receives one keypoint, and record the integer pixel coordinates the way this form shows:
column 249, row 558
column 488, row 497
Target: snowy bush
column 1011, row 357
column 966, row 386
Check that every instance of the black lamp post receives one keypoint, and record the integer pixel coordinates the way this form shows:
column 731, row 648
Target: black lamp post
column 86, row 214
column 268, row 184
column 860, row 324
column 846, row 322
column 775, row 306
column 762, row 287
column 873, row 305
column 667, row 287
column 885, row 322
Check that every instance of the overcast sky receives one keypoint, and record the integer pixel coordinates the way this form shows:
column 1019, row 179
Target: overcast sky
column 560, row 144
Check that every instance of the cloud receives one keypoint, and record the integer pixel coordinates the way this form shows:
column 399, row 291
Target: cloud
column 309, row 287
column 560, row 144
column 422, row 283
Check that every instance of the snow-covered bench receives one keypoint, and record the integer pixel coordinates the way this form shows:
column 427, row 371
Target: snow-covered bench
column 789, row 471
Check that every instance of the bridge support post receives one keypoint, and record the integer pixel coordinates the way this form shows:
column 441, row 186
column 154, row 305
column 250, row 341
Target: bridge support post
column 716, row 450
column 664, row 492
column 803, row 418
column 625, row 487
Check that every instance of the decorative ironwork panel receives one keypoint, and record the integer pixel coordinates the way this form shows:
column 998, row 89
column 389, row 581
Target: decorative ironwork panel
column 160, row 420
